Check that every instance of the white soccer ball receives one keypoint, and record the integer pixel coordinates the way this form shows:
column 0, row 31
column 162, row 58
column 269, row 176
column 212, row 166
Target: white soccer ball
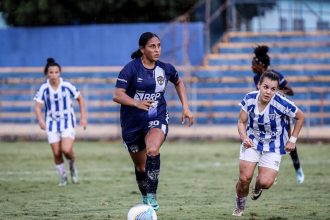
column 141, row 212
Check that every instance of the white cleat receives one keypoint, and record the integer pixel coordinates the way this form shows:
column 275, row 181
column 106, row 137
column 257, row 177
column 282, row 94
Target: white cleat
column 63, row 181
column 238, row 212
column 74, row 175
column 300, row 177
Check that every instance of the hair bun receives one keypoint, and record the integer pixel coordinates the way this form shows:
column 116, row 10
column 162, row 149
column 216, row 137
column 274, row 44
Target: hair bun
column 50, row 60
column 261, row 50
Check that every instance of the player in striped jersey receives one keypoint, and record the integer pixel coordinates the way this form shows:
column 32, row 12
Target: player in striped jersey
column 260, row 64
column 262, row 126
column 56, row 96
column 140, row 90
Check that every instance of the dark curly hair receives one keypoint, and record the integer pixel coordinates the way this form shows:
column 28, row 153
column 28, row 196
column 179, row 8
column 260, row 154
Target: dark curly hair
column 261, row 56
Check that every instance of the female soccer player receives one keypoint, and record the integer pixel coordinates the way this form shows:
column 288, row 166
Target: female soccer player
column 265, row 137
column 56, row 96
column 144, row 117
column 260, row 64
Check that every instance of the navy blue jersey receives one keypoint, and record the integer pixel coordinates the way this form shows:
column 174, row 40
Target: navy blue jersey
column 282, row 81
column 140, row 84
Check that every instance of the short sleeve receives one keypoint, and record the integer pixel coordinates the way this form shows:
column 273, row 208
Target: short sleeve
column 174, row 75
column 39, row 96
column 243, row 104
column 125, row 77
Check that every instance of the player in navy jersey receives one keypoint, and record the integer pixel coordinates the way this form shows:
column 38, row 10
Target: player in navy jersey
column 140, row 89
column 262, row 126
column 260, row 64
column 56, row 96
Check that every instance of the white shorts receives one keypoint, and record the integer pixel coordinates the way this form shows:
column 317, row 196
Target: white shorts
column 54, row 137
column 271, row 160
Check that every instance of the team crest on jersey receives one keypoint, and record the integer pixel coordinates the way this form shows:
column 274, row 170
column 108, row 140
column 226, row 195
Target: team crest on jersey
column 160, row 80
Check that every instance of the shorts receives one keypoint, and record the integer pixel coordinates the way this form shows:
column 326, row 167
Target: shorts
column 54, row 137
column 134, row 138
column 268, row 159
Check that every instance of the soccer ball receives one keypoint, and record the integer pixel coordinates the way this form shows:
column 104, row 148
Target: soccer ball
column 141, row 212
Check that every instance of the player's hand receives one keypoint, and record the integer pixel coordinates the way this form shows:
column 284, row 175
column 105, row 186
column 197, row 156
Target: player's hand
column 83, row 123
column 42, row 125
column 247, row 143
column 186, row 113
column 144, row 105
column 290, row 146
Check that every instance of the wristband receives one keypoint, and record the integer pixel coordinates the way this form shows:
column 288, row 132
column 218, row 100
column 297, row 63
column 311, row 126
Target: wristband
column 293, row 139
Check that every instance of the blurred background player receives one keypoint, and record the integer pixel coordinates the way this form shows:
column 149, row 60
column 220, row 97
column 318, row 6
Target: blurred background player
column 260, row 64
column 144, row 117
column 56, row 96
column 264, row 137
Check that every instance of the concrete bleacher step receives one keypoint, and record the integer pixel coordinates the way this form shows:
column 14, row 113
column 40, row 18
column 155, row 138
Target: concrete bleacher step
column 310, row 36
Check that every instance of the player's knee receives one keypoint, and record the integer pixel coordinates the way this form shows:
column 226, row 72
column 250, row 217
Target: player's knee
column 265, row 183
column 152, row 150
column 245, row 180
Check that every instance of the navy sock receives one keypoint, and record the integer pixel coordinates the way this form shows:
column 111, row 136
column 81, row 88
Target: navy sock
column 141, row 179
column 152, row 170
column 295, row 159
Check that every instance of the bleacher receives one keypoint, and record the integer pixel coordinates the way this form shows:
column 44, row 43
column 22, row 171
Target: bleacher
column 303, row 57
column 214, row 89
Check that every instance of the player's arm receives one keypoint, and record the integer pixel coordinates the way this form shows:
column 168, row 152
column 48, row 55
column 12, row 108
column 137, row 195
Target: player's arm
column 241, row 126
column 287, row 90
column 290, row 145
column 186, row 113
column 122, row 98
column 39, row 115
column 83, row 115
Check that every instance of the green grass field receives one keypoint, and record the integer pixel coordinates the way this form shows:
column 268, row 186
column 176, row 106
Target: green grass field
column 197, row 181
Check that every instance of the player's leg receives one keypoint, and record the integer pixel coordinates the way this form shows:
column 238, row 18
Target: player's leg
column 297, row 166
column 154, row 139
column 139, row 160
column 55, row 144
column 269, row 165
column 67, row 141
column 248, row 161
column 296, row 162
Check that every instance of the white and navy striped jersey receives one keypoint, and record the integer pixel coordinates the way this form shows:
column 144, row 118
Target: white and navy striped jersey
column 268, row 129
column 59, row 111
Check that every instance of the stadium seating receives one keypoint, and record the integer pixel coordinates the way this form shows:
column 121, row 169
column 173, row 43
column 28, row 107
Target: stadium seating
column 214, row 89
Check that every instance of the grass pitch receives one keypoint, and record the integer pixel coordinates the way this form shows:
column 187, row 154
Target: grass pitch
column 197, row 181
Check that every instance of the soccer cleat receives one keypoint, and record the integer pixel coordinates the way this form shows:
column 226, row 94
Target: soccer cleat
column 74, row 175
column 300, row 177
column 238, row 212
column 144, row 200
column 151, row 200
column 63, row 181
column 240, row 206
column 256, row 193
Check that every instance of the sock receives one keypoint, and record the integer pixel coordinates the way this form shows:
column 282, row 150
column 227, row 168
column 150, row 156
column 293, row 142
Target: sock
column 141, row 179
column 295, row 159
column 72, row 164
column 240, row 202
column 61, row 169
column 152, row 171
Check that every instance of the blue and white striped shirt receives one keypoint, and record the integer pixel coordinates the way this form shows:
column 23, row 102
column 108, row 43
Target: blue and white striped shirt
column 268, row 129
column 59, row 111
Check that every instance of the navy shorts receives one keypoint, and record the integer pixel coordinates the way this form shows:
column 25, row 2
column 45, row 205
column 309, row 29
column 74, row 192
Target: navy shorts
column 134, row 137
